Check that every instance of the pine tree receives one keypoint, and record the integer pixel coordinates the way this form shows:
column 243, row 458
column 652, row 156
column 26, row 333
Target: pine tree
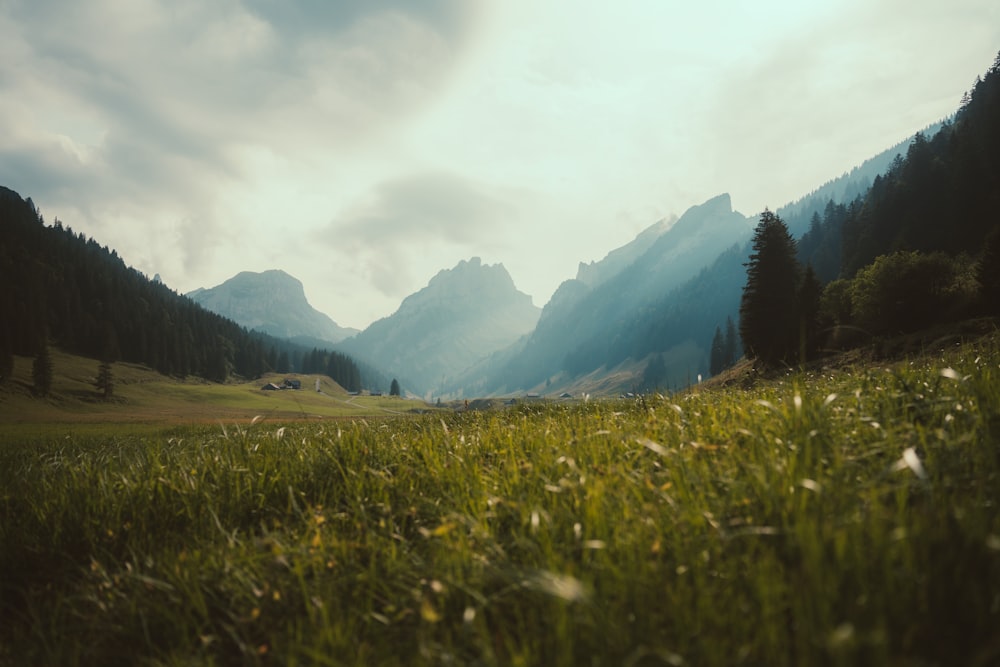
column 6, row 353
column 41, row 371
column 105, row 382
column 768, row 312
column 394, row 388
column 732, row 344
column 988, row 272
column 810, row 292
column 655, row 374
column 716, row 360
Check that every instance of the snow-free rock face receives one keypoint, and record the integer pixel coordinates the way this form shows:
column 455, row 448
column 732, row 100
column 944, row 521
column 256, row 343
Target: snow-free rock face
column 594, row 273
column 462, row 315
column 272, row 302
column 587, row 314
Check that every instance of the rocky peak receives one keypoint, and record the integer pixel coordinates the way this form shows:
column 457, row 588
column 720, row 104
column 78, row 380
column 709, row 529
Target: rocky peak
column 470, row 285
column 270, row 301
column 463, row 315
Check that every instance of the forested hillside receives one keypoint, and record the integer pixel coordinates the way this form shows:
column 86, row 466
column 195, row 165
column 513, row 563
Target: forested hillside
column 585, row 319
column 918, row 249
column 939, row 194
column 944, row 195
column 59, row 287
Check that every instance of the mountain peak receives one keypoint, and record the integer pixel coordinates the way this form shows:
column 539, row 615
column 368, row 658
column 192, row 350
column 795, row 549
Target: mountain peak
column 597, row 272
column 472, row 276
column 271, row 301
column 464, row 314
column 715, row 209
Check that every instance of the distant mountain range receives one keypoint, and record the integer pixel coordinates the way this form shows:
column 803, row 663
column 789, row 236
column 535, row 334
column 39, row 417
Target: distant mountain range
column 470, row 332
column 652, row 304
column 592, row 310
column 58, row 287
column 463, row 315
column 271, row 302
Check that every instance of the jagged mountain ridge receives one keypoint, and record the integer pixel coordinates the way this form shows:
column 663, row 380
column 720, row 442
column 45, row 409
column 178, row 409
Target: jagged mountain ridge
column 594, row 273
column 271, row 302
column 58, row 287
column 580, row 313
column 463, row 315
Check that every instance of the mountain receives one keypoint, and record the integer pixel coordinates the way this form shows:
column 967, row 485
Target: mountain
column 846, row 187
column 590, row 311
column 937, row 192
column 594, row 273
column 463, row 315
column 271, row 302
column 59, row 287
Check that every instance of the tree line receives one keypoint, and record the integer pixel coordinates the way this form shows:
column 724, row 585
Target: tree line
column 921, row 247
column 59, row 287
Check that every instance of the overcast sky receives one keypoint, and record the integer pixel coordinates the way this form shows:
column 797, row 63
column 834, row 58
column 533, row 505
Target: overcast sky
column 364, row 146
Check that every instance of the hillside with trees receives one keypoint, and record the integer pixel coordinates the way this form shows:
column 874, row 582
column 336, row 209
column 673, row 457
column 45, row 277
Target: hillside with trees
column 919, row 247
column 59, row 287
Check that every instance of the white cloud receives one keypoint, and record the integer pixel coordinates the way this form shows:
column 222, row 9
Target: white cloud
column 364, row 146
column 389, row 234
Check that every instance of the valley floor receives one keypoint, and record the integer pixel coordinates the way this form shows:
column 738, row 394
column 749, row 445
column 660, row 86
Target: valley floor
column 838, row 515
column 144, row 397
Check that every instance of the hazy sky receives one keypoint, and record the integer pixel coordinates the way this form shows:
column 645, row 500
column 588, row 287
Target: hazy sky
column 363, row 146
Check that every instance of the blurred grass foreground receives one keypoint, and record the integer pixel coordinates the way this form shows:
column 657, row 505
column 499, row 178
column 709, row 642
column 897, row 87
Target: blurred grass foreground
column 837, row 517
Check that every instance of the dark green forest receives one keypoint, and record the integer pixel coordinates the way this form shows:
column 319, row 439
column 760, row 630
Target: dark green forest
column 59, row 287
column 919, row 247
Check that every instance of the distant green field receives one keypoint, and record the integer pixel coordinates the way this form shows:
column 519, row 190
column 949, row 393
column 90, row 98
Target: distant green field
column 836, row 517
column 142, row 396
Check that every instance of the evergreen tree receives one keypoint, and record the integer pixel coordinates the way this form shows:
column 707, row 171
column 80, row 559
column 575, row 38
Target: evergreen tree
column 6, row 353
column 768, row 313
column 394, row 388
column 810, row 292
column 105, row 382
column 988, row 272
column 41, row 370
column 717, row 356
column 731, row 345
column 655, row 374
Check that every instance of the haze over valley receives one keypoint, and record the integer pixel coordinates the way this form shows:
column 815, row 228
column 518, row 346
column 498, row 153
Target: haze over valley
column 473, row 327
column 364, row 147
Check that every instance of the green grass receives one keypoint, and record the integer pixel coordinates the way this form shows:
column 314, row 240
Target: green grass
column 841, row 517
column 144, row 397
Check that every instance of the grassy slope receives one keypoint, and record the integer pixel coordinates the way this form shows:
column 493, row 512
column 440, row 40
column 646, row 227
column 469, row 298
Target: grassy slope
column 142, row 396
column 844, row 516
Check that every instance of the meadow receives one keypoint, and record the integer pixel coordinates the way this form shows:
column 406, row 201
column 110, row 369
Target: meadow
column 839, row 516
column 145, row 401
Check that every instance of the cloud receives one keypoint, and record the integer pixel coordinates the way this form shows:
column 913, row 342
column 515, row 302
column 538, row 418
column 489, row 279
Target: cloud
column 387, row 233
column 145, row 110
column 838, row 90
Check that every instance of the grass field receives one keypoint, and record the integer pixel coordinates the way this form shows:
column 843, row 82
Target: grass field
column 838, row 517
column 145, row 399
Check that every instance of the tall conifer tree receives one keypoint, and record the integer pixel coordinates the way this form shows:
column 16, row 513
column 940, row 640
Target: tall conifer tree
column 6, row 353
column 717, row 356
column 768, row 309
column 732, row 344
column 41, row 370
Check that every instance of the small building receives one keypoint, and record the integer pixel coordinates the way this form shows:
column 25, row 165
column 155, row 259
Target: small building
column 291, row 383
column 270, row 386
